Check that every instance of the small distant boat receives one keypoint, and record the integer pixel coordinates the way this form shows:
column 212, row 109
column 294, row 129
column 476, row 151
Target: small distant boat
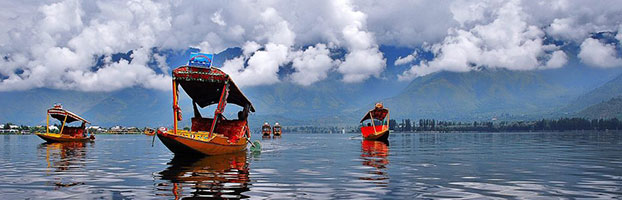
column 276, row 130
column 377, row 127
column 149, row 131
column 66, row 133
column 207, row 86
column 266, row 130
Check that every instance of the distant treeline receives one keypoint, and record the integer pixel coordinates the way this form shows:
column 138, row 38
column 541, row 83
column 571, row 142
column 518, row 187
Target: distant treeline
column 562, row 124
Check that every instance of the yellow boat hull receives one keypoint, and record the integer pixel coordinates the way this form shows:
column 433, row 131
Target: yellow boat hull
column 185, row 142
column 55, row 137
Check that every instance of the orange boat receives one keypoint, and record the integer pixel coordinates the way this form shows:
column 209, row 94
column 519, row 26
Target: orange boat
column 377, row 127
column 149, row 131
column 66, row 133
column 276, row 130
column 266, row 130
column 210, row 136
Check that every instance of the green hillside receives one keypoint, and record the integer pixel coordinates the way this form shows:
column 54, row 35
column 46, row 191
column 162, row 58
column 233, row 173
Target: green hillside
column 604, row 110
column 478, row 95
column 607, row 91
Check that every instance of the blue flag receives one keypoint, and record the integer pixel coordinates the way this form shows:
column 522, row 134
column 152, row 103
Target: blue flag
column 200, row 59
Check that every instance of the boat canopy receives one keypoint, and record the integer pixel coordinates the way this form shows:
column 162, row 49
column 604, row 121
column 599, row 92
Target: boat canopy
column 59, row 113
column 204, row 86
column 376, row 113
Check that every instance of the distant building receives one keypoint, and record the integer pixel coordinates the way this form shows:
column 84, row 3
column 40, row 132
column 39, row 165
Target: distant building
column 116, row 129
column 97, row 129
column 9, row 131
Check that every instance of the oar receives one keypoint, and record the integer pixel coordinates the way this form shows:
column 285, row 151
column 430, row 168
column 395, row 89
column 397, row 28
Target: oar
column 255, row 146
column 153, row 139
column 155, row 132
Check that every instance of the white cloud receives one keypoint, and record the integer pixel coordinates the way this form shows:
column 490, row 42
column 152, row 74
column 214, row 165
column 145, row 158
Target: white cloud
column 405, row 60
column 250, row 47
column 598, row 54
column 62, row 54
column 262, row 67
column 558, row 59
column 566, row 28
column 465, row 12
column 61, row 16
column 216, row 18
column 311, row 65
column 506, row 42
column 364, row 59
column 43, row 42
column 619, row 35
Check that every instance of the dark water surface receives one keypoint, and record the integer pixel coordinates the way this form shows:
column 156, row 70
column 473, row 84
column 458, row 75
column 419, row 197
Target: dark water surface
column 321, row 166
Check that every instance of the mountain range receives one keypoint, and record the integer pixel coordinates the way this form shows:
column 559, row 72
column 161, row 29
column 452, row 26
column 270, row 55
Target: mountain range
column 604, row 110
column 574, row 90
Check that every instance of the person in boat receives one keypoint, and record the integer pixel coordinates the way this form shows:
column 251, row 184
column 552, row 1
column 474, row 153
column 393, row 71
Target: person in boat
column 242, row 115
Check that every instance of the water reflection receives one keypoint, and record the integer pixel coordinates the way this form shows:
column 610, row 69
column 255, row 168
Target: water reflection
column 374, row 154
column 222, row 176
column 64, row 157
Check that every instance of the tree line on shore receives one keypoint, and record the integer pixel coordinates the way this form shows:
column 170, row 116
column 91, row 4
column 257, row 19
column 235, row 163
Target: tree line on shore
column 561, row 124
column 407, row 125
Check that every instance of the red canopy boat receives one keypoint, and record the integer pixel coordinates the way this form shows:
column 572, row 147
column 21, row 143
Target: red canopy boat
column 266, row 130
column 210, row 136
column 66, row 133
column 276, row 130
column 377, row 128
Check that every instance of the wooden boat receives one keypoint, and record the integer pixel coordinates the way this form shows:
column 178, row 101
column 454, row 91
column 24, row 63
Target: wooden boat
column 210, row 136
column 149, row 131
column 66, row 133
column 377, row 127
column 276, row 129
column 266, row 130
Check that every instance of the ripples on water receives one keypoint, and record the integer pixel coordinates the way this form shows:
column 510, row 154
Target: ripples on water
column 321, row 166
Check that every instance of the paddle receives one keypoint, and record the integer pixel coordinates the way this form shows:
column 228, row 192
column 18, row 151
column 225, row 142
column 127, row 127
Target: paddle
column 255, row 146
column 153, row 139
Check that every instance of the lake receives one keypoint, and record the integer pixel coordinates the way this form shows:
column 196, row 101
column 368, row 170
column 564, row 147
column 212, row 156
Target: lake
column 321, row 166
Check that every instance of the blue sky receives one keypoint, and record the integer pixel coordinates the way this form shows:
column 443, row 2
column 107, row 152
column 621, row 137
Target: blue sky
column 55, row 44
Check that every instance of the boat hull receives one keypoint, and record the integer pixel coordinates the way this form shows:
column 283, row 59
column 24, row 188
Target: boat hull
column 185, row 145
column 63, row 138
column 378, row 136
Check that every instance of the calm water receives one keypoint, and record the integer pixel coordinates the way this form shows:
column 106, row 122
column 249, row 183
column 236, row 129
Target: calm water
column 322, row 166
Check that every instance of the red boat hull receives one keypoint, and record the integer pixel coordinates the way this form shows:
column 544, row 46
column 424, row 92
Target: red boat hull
column 379, row 133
